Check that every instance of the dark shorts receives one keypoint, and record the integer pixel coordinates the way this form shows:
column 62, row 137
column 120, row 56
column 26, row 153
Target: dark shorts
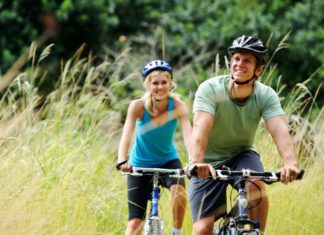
column 208, row 197
column 140, row 189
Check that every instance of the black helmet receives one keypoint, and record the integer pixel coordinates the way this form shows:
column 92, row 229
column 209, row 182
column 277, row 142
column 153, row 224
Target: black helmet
column 156, row 65
column 249, row 44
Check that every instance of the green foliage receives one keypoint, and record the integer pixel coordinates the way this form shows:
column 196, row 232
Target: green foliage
column 17, row 29
column 306, row 50
column 182, row 32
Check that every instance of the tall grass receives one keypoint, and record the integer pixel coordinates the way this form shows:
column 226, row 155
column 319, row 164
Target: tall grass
column 57, row 172
column 57, row 163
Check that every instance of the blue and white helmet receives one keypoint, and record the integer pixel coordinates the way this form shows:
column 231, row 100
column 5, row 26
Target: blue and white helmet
column 156, row 65
column 249, row 44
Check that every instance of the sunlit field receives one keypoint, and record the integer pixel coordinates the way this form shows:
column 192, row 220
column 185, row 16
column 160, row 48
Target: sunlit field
column 57, row 161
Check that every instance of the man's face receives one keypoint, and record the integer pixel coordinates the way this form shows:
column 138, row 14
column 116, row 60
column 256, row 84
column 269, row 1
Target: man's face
column 243, row 66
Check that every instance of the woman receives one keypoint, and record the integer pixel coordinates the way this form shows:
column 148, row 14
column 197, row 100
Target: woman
column 155, row 117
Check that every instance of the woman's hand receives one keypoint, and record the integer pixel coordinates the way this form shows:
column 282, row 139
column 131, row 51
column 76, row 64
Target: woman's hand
column 123, row 166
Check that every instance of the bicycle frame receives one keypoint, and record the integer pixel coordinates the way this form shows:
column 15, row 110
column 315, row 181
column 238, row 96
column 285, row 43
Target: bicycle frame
column 237, row 220
column 155, row 196
column 153, row 224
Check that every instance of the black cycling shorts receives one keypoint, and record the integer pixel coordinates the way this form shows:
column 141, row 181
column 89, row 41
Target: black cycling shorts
column 208, row 197
column 140, row 189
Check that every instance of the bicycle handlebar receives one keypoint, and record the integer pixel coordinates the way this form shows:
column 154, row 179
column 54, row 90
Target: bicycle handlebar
column 140, row 171
column 267, row 177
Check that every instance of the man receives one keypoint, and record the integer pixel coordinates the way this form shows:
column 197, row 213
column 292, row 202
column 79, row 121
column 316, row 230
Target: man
column 227, row 111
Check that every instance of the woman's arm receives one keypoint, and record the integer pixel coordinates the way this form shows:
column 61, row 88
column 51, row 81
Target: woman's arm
column 183, row 117
column 135, row 110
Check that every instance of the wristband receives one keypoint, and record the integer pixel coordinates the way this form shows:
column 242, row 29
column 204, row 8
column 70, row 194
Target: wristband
column 120, row 164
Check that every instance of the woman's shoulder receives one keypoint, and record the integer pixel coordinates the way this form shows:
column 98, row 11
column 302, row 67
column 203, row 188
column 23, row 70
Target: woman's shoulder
column 137, row 107
column 180, row 107
column 178, row 102
column 137, row 103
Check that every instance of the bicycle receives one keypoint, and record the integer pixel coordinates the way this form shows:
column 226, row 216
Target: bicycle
column 154, row 224
column 236, row 221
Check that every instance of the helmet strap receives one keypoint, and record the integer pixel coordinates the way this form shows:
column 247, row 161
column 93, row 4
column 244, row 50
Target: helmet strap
column 243, row 83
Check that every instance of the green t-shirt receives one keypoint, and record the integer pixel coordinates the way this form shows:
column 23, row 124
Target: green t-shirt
column 235, row 124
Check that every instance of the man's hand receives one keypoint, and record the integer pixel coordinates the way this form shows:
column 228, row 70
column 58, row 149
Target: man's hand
column 289, row 173
column 201, row 170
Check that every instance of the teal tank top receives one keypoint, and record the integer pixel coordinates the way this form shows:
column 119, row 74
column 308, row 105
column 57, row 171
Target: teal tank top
column 154, row 145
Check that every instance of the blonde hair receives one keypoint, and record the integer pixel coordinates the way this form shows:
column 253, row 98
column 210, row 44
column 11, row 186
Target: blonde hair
column 150, row 104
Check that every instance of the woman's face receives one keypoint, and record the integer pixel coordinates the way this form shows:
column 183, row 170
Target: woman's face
column 160, row 86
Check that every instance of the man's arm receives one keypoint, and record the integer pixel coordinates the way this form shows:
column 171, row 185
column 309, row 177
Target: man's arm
column 279, row 131
column 202, row 124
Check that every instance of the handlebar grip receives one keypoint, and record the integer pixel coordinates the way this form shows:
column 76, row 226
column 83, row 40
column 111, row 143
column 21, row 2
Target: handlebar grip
column 120, row 164
column 300, row 175
column 192, row 172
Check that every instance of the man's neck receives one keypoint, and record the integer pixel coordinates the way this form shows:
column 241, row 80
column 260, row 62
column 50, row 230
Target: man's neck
column 240, row 92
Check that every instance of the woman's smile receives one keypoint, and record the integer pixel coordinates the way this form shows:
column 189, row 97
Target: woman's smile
column 160, row 87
